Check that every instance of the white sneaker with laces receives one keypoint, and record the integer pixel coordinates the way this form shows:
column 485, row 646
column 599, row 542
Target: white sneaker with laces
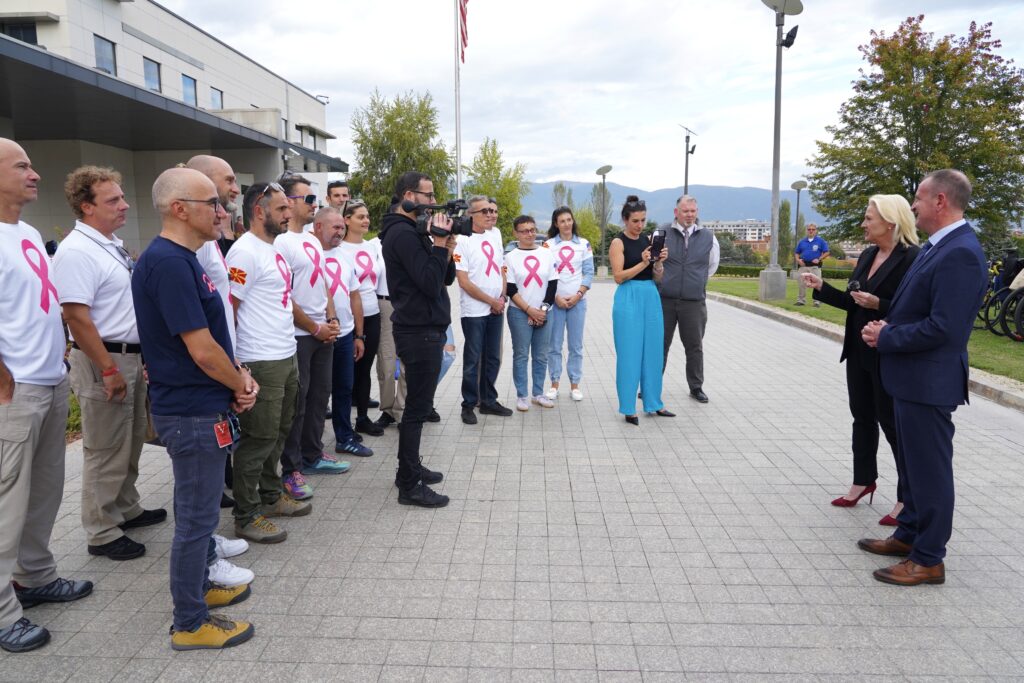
column 552, row 393
column 522, row 405
column 576, row 394
column 543, row 401
column 228, row 575
column 229, row 547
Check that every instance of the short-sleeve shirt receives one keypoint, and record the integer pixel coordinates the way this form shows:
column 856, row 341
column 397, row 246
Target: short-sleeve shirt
column 173, row 295
column 342, row 281
column 365, row 259
column 569, row 257
column 382, row 280
column 531, row 270
column 305, row 256
column 482, row 258
column 31, row 333
column 261, row 281
column 211, row 258
column 808, row 250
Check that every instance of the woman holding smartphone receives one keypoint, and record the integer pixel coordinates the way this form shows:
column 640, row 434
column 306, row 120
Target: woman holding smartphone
column 637, row 322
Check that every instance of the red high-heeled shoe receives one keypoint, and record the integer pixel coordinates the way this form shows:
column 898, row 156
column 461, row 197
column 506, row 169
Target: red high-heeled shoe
column 888, row 520
column 844, row 502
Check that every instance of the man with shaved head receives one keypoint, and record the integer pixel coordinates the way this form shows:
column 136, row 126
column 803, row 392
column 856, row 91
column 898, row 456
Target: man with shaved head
column 33, row 413
column 196, row 388
column 223, row 177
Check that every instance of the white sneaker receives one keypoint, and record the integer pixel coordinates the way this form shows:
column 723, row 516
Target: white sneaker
column 576, row 394
column 229, row 547
column 228, row 575
column 552, row 393
column 543, row 401
column 522, row 405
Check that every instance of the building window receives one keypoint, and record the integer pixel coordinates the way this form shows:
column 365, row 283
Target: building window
column 284, row 129
column 106, row 59
column 188, row 90
column 151, row 70
column 216, row 98
column 25, row 31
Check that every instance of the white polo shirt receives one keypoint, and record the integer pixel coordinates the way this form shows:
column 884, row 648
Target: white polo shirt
column 212, row 261
column 305, row 256
column 261, row 280
column 480, row 256
column 342, row 281
column 365, row 259
column 531, row 270
column 31, row 335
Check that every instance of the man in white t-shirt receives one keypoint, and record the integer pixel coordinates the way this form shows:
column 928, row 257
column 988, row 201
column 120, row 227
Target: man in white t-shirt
column 33, row 413
column 303, row 200
column 261, row 293
column 92, row 271
column 479, row 267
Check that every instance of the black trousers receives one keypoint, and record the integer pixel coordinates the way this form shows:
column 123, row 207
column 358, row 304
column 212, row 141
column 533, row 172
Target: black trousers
column 870, row 407
column 420, row 353
column 361, row 378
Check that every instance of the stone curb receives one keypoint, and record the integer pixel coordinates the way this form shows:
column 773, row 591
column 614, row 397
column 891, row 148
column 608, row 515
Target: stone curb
column 1001, row 390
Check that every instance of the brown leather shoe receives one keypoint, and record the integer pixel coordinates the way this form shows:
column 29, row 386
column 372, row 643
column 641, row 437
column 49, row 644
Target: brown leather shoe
column 909, row 573
column 885, row 546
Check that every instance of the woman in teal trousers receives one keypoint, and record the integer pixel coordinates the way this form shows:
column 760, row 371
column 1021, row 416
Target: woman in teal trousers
column 637, row 321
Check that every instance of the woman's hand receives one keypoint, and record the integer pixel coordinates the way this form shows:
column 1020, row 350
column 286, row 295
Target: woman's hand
column 865, row 300
column 813, row 281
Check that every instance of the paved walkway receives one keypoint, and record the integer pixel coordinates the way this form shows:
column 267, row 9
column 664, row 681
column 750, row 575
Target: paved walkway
column 578, row 547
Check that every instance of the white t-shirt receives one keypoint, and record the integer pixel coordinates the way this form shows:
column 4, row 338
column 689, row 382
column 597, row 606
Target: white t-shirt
column 365, row 259
column 382, row 280
column 261, row 281
column 216, row 267
column 305, row 256
column 480, row 256
column 531, row 270
column 342, row 281
column 568, row 258
column 31, row 334
column 88, row 269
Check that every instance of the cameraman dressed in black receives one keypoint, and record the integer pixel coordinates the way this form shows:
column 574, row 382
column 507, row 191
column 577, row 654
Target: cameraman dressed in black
column 419, row 270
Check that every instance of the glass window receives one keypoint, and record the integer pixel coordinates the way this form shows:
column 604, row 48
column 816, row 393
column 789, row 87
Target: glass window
column 106, row 59
column 284, row 129
column 188, row 90
column 23, row 31
column 151, row 70
column 216, row 98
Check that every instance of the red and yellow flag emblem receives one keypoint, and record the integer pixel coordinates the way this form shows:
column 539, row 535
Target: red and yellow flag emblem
column 237, row 275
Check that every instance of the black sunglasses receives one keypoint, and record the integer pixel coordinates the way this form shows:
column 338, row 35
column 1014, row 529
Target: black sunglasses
column 212, row 203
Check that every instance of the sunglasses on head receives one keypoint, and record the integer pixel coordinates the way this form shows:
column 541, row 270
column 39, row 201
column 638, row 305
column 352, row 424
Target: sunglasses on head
column 276, row 187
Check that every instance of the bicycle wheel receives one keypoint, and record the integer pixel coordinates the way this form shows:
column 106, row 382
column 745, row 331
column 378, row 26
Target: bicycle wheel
column 992, row 310
column 1018, row 321
column 979, row 320
column 1008, row 312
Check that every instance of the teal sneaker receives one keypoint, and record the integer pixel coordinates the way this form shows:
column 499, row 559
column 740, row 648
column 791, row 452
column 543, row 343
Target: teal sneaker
column 296, row 486
column 327, row 464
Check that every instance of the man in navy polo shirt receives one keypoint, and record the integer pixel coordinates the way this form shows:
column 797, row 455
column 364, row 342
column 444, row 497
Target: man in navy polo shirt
column 810, row 252
column 195, row 387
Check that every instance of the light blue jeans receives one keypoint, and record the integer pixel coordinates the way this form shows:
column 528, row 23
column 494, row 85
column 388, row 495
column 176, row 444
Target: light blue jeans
column 528, row 340
column 447, row 357
column 558, row 320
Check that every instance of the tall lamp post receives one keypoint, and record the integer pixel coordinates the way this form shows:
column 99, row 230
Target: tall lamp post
column 797, row 185
column 689, row 151
column 773, row 278
column 604, row 171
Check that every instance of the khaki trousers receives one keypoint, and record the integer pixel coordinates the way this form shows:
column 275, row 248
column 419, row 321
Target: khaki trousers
column 113, row 433
column 392, row 393
column 31, row 488
column 801, row 295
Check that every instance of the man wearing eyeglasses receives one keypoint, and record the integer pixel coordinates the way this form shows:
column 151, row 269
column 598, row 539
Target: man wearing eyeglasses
column 337, row 194
column 92, row 272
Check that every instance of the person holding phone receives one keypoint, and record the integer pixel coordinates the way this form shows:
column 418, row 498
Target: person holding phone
column 637, row 322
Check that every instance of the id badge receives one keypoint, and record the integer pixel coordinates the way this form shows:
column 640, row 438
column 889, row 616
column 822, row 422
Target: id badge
column 223, row 432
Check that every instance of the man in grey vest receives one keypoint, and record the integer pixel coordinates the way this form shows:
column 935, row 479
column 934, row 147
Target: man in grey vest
column 693, row 254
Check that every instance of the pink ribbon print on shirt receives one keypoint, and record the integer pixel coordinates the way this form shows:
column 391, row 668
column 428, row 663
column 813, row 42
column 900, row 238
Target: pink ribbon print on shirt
column 488, row 249
column 532, row 265
column 286, row 275
column 314, row 257
column 42, row 269
column 333, row 270
column 565, row 255
column 365, row 262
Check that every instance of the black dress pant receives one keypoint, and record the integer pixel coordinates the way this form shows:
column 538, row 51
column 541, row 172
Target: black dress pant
column 361, row 376
column 420, row 352
column 871, row 407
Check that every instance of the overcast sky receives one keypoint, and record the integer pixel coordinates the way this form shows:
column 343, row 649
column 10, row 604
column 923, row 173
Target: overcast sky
column 565, row 87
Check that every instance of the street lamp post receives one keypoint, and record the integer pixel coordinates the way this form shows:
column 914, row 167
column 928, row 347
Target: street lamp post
column 773, row 278
column 686, row 166
column 797, row 185
column 604, row 171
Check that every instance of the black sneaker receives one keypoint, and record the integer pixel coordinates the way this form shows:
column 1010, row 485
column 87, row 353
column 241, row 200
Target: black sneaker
column 373, row 403
column 468, row 416
column 433, row 417
column 120, row 549
column 147, row 518
column 368, row 426
column 422, row 496
column 58, row 590
column 495, row 409
column 426, row 477
column 385, row 421
column 226, row 501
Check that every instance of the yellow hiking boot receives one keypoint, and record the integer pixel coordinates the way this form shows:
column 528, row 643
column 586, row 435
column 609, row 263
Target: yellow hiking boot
column 261, row 530
column 222, row 596
column 215, row 633
column 286, row 506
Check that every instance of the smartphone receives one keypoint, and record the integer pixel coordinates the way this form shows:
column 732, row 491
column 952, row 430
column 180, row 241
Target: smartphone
column 657, row 244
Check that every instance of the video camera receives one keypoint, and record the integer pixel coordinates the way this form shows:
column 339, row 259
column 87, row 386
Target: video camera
column 456, row 209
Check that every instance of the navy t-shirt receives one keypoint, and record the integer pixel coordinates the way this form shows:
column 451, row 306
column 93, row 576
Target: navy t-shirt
column 173, row 294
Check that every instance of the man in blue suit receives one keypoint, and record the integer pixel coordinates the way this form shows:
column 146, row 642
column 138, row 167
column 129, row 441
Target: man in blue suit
column 922, row 348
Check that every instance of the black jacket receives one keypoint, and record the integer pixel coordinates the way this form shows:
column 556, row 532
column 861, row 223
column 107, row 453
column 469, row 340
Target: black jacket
column 418, row 273
column 882, row 284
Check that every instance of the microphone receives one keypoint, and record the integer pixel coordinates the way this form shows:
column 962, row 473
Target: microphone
column 409, row 206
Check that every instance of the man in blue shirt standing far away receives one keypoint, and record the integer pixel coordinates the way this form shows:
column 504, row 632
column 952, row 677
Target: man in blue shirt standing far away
column 810, row 252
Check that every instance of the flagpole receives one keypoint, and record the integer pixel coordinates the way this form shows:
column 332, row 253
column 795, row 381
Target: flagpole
column 458, row 102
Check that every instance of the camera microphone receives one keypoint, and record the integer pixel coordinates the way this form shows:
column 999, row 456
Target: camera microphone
column 409, row 206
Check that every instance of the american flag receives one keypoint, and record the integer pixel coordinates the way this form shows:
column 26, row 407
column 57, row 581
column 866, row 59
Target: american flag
column 463, row 30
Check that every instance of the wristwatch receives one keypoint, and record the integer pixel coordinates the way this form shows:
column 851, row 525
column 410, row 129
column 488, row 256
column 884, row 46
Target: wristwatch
column 361, row 337
column 545, row 307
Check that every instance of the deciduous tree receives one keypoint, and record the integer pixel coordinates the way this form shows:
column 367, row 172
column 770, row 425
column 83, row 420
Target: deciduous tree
column 488, row 175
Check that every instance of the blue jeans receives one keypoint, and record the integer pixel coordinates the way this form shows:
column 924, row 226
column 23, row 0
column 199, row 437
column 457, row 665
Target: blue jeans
column 342, row 373
column 198, row 465
column 481, row 360
column 447, row 357
column 559, row 319
column 528, row 340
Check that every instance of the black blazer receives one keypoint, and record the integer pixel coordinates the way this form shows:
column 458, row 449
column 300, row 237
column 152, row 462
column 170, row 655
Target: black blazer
column 882, row 284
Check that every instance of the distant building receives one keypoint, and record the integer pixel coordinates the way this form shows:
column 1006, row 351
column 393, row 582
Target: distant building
column 749, row 230
column 134, row 86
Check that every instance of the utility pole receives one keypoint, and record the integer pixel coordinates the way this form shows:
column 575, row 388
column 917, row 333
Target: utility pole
column 689, row 151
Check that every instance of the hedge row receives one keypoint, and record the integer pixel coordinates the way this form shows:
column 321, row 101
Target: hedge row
column 755, row 271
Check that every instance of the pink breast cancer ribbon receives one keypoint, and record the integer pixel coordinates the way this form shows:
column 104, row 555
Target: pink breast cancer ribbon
column 209, row 283
column 565, row 255
column 286, row 275
column 333, row 270
column 532, row 265
column 314, row 256
column 364, row 261
column 42, row 269
column 488, row 250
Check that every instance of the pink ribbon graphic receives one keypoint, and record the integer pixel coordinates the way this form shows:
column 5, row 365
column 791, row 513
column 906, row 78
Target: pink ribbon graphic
column 488, row 250
column 364, row 261
column 209, row 283
column 532, row 273
column 42, row 269
column 314, row 256
column 333, row 275
column 286, row 275
column 565, row 255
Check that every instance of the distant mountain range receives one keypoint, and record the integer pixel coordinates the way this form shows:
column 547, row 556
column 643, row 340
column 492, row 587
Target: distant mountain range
column 716, row 202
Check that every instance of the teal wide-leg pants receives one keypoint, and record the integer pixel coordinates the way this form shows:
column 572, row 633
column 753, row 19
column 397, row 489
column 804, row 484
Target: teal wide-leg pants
column 639, row 330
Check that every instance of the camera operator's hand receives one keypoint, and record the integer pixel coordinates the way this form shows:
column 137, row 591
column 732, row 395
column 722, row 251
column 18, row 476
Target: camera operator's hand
column 442, row 222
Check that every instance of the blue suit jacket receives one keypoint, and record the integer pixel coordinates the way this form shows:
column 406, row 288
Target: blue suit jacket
column 923, row 349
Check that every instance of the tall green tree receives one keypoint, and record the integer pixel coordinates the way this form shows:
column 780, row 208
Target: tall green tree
column 923, row 103
column 598, row 207
column 726, row 246
column 561, row 195
column 786, row 243
column 391, row 137
column 488, row 175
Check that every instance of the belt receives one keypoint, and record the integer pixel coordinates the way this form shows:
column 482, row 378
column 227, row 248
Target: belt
column 384, row 298
column 115, row 347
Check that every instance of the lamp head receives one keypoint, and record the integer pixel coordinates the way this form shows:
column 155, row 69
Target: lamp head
column 604, row 170
column 790, row 37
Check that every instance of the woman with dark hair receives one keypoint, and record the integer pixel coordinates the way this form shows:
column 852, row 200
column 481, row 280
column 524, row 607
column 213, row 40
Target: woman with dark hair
column 574, row 262
column 637, row 322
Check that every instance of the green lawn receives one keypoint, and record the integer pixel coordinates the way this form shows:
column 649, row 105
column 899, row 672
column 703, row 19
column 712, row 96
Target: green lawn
column 987, row 352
